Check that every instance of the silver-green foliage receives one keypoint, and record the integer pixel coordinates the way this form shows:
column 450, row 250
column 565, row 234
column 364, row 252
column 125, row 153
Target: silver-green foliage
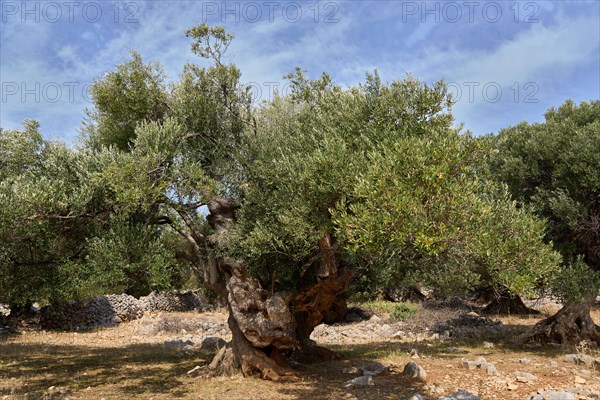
column 53, row 208
column 554, row 167
column 382, row 169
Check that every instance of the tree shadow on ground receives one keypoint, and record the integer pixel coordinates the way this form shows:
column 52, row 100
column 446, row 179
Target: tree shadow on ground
column 150, row 370
column 327, row 380
column 137, row 368
column 154, row 370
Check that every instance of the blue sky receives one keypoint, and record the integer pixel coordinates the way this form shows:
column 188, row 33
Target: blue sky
column 505, row 61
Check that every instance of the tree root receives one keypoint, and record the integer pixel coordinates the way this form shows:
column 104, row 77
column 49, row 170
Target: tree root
column 224, row 363
column 250, row 362
column 569, row 326
column 507, row 305
column 240, row 355
column 255, row 361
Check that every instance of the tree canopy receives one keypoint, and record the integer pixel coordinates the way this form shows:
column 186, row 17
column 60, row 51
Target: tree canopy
column 396, row 185
column 554, row 167
column 276, row 206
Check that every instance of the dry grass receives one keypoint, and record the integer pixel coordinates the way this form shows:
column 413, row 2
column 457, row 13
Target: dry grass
column 428, row 314
column 119, row 363
column 380, row 307
column 175, row 323
column 108, row 364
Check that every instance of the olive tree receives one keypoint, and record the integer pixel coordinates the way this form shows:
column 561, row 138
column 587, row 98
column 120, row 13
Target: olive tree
column 554, row 167
column 278, row 204
column 332, row 177
column 59, row 236
column 268, row 180
column 181, row 170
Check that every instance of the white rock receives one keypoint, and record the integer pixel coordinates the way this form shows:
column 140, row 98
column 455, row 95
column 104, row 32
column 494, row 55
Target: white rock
column 461, row 395
column 414, row 371
column 361, row 381
column 524, row 377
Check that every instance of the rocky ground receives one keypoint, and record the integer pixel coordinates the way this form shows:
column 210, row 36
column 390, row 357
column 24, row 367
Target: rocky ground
column 435, row 354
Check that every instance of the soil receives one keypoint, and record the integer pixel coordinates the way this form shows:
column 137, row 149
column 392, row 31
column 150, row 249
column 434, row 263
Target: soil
column 149, row 359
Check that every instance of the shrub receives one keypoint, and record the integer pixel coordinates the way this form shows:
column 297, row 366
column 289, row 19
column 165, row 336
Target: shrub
column 404, row 310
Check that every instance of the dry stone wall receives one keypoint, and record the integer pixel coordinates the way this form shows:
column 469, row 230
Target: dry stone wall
column 109, row 310
column 173, row 301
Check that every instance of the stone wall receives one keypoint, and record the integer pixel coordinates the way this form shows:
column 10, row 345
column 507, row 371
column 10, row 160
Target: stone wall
column 173, row 301
column 109, row 310
column 105, row 310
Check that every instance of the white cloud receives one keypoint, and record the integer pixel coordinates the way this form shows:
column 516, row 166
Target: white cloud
column 266, row 50
column 420, row 34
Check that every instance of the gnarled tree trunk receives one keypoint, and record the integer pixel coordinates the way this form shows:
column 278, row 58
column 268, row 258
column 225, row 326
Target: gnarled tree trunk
column 316, row 304
column 262, row 329
column 569, row 326
column 269, row 328
column 504, row 303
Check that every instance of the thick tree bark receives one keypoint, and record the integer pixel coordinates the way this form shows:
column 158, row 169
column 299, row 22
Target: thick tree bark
column 315, row 304
column 265, row 332
column 569, row 326
column 265, row 320
column 507, row 305
column 242, row 355
column 321, row 302
column 269, row 328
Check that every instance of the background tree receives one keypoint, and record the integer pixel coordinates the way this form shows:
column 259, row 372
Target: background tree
column 57, row 231
column 554, row 167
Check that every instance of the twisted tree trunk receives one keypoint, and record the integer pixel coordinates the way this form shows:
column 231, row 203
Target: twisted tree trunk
column 503, row 303
column 261, row 332
column 269, row 328
column 571, row 325
column 316, row 304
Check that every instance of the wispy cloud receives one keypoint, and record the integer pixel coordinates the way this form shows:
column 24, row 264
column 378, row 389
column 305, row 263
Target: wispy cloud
column 557, row 50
